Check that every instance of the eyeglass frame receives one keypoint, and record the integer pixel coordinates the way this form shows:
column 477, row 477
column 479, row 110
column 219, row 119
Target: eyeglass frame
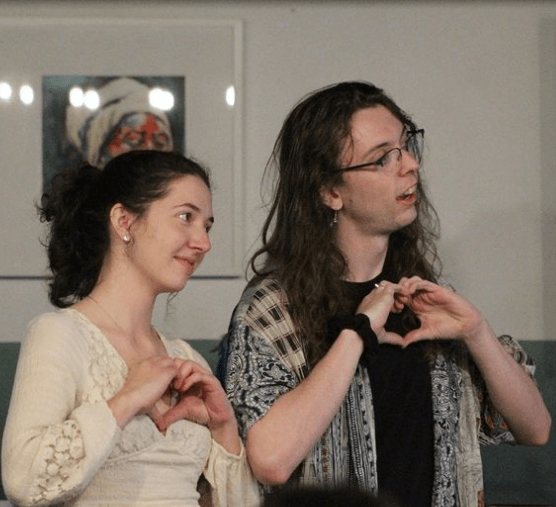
column 410, row 134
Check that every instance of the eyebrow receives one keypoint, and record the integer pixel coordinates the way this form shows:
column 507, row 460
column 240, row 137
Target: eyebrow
column 384, row 144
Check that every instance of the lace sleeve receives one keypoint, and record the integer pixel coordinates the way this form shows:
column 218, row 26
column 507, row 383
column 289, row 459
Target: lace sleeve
column 53, row 445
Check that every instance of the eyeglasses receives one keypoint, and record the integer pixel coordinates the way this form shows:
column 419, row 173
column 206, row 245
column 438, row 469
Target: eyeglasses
column 413, row 145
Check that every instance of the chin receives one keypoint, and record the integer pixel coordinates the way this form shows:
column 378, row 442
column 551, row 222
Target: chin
column 176, row 285
column 411, row 217
column 181, row 286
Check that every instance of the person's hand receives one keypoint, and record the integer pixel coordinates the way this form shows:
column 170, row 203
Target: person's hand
column 443, row 313
column 200, row 398
column 377, row 305
column 145, row 385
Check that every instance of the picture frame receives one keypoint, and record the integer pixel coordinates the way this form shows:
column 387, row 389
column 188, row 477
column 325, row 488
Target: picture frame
column 206, row 53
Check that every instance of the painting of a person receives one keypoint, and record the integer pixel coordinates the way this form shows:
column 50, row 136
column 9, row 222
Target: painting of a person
column 124, row 120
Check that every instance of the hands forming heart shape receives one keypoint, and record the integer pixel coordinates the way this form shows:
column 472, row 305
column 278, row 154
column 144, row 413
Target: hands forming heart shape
column 194, row 394
column 183, row 389
column 442, row 312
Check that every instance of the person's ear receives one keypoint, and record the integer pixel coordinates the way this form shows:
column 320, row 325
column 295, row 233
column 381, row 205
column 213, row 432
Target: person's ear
column 331, row 198
column 121, row 219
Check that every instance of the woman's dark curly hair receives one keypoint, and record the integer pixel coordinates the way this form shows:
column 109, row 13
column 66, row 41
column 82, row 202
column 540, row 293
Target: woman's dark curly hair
column 77, row 207
column 298, row 246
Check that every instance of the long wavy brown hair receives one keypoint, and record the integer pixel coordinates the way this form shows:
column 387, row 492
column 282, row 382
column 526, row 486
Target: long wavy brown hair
column 298, row 241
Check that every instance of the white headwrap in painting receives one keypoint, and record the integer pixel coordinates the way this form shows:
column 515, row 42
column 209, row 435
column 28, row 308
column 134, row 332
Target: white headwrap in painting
column 88, row 129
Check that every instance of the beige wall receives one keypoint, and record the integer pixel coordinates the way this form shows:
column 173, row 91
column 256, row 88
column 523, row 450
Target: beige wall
column 480, row 77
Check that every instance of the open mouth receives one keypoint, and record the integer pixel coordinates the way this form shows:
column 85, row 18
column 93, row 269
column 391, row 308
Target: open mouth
column 409, row 195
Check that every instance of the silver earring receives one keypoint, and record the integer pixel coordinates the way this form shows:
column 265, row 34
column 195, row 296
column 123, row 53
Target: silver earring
column 335, row 219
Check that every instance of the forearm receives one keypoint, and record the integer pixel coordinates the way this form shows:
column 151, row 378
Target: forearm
column 55, row 461
column 513, row 392
column 52, row 447
column 280, row 440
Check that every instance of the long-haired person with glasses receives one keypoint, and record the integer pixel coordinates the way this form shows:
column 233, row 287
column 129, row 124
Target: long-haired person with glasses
column 347, row 361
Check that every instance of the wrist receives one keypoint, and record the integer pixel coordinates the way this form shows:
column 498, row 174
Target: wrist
column 227, row 436
column 478, row 333
column 361, row 324
column 122, row 410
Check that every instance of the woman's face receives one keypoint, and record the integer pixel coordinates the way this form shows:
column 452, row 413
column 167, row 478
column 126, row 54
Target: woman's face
column 171, row 239
column 138, row 131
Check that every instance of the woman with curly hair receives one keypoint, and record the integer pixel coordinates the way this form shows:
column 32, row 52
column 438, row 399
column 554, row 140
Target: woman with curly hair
column 105, row 409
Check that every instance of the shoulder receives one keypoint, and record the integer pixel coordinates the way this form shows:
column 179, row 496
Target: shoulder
column 263, row 312
column 53, row 319
column 263, row 303
column 56, row 340
column 263, row 323
column 58, row 327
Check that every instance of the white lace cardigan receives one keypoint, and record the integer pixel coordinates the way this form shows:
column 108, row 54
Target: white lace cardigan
column 62, row 445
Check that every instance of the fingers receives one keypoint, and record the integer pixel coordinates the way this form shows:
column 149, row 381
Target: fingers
column 191, row 373
column 201, row 398
column 399, row 296
column 153, row 375
column 148, row 380
column 189, row 407
column 411, row 285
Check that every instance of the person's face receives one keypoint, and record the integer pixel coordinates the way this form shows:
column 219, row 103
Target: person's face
column 375, row 201
column 139, row 131
column 172, row 237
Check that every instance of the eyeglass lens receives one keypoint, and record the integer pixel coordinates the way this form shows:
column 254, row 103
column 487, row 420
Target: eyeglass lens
column 415, row 144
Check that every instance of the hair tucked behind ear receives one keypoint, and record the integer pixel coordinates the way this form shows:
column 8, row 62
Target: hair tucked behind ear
column 77, row 208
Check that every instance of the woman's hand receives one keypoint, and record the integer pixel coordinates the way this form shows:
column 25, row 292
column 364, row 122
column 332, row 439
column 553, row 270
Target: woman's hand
column 145, row 384
column 201, row 399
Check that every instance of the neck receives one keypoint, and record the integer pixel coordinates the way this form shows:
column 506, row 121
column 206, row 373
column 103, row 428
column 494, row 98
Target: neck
column 121, row 306
column 365, row 255
column 126, row 326
column 127, row 309
column 126, row 299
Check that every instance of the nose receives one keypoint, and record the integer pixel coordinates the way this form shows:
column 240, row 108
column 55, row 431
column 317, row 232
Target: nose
column 200, row 241
column 148, row 144
column 408, row 162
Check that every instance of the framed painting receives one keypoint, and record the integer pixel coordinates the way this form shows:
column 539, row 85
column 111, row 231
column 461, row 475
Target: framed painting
column 78, row 90
column 90, row 119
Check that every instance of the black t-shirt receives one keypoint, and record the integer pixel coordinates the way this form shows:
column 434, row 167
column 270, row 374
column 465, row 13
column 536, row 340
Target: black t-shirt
column 402, row 402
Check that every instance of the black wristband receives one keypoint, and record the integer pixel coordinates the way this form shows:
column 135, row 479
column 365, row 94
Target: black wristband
column 359, row 323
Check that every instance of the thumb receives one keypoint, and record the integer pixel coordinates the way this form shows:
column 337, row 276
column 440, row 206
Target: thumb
column 393, row 339
column 177, row 412
column 416, row 335
column 189, row 407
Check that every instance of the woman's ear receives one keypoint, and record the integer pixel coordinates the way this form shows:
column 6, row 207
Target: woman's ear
column 331, row 198
column 121, row 219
